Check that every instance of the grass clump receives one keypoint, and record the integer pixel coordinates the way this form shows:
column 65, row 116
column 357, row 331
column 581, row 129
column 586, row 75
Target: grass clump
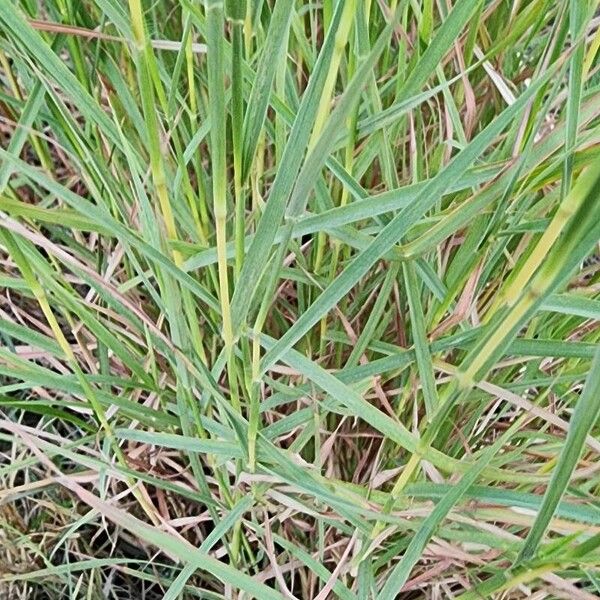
column 299, row 300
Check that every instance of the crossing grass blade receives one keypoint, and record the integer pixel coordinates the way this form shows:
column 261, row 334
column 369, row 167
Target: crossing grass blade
column 418, row 543
column 584, row 418
column 258, row 101
column 392, row 233
column 291, row 159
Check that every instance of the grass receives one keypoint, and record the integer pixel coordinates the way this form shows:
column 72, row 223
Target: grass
column 299, row 300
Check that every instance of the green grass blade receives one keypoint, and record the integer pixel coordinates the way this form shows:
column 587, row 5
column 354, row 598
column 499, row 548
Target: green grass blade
column 585, row 416
column 394, row 231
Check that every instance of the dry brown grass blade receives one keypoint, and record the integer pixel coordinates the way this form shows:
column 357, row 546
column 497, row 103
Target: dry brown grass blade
column 91, row 34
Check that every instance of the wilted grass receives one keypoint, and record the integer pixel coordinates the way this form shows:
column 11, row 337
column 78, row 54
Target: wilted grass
column 299, row 299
